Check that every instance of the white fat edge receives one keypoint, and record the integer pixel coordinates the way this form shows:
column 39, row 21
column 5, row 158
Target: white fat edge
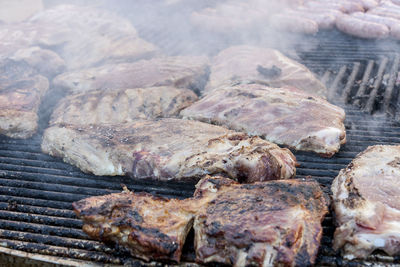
column 270, row 255
column 240, row 258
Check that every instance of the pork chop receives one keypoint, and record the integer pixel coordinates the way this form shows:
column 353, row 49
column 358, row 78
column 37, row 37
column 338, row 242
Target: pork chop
column 261, row 65
column 285, row 116
column 181, row 71
column 168, row 149
column 89, row 36
column 120, row 106
column 21, row 91
column 274, row 223
column 150, row 227
column 366, row 199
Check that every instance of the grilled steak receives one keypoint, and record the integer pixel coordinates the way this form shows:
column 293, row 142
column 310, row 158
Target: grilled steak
column 285, row 116
column 21, row 90
column 119, row 106
column 149, row 227
column 184, row 72
column 262, row 65
column 168, row 149
column 87, row 36
column 367, row 203
column 261, row 224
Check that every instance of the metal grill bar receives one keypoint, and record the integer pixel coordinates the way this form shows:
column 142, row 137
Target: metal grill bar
column 369, row 107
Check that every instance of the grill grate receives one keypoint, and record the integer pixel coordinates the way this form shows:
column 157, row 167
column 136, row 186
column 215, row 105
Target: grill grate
column 36, row 192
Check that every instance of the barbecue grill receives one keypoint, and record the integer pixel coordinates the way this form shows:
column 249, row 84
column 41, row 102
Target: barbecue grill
column 37, row 223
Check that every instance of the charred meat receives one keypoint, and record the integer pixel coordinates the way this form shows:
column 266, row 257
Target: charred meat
column 261, row 224
column 248, row 63
column 21, row 91
column 119, row 106
column 182, row 71
column 149, row 227
column 285, row 116
column 168, row 149
column 367, row 203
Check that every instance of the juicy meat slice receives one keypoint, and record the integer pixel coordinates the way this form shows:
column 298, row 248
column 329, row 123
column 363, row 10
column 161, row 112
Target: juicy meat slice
column 149, row 227
column 366, row 199
column 21, row 90
column 285, row 116
column 261, row 65
column 180, row 71
column 168, row 149
column 119, row 106
column 89, row 36
column 262, row 224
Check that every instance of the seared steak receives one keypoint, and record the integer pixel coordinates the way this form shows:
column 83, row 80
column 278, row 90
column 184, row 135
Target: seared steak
column 119, row 106
column 182, row 71
column 89, row 36
column 367, row 203
column 285, row 116
column 168, row 149
column 261, row 65
column 149, row 227
column 262, row 224
column 21, row 90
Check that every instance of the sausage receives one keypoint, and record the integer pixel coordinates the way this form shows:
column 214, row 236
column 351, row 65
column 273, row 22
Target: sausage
column 385, row 12
column 324, row 20
column 294, row 24
column 363, row 29
column 395, row 32
column 390, row 22
column 366, row 4
column 344, row 6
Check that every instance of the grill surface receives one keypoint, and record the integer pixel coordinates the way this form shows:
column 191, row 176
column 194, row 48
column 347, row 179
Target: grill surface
column 36, row 190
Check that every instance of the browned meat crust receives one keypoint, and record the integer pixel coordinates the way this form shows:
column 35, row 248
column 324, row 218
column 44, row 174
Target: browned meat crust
column 261, row 65
column 367, row 203
column 285, row 116
column 21, row 91
column 120, row 106
column 181, row 71
column 168, row 149
column 260, row 224
column 150, row 227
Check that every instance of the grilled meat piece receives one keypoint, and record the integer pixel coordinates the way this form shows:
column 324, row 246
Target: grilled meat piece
column 261, row 224
column 149, row 227
column 296, row 23
column 285, row 116
column 119, row 106
column 367, row 203
column 87, row 36
column 168, row 149
column 181, row 71
column 247, row 63
column 21, row 90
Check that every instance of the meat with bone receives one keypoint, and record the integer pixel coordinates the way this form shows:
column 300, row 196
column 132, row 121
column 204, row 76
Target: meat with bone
column 21, row 91
column 294, row 23
column 361, row 28
column 168, row 149
column 367, row 203
column 275, row 223
column 261, row 65
column 393, row 24
column 181, row 71
column 285, row 116
column 90, row 36
column 149, row 227
column 119, row 106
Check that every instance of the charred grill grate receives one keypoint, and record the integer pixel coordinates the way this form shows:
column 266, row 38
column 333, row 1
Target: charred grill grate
column 36, row 192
